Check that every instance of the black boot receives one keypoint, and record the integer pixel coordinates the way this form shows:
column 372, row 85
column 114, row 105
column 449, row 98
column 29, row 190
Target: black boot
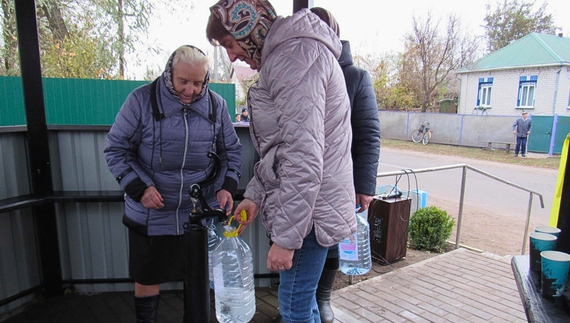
column 147, row 308
column 324, row 291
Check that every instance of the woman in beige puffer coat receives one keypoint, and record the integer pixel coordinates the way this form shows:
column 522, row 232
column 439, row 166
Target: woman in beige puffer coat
column 300, row 125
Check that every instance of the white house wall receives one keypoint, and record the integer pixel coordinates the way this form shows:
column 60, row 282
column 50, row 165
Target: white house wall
column 506, row 86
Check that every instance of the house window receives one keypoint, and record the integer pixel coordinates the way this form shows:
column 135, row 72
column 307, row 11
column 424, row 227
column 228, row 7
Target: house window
column 485, row 98
column 527, row 86
column 484, row 92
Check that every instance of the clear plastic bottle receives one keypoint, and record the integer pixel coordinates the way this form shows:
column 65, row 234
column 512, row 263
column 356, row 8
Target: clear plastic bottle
column 233, row 279
column 213, row 239
column 354, row 251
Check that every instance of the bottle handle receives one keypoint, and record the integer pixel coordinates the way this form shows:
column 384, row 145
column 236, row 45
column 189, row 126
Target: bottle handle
column 243, row 217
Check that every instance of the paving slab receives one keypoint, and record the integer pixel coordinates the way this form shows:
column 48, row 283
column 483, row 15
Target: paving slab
column 458, row 286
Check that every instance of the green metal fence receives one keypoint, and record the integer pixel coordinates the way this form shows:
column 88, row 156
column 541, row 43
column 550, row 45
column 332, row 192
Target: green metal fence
column 541, row 137
column 79, row 101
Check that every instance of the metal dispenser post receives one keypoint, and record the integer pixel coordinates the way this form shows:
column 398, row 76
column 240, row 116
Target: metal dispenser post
column 196, row 280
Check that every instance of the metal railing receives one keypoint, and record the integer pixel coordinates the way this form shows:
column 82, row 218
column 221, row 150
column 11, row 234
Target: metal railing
column 465, row 167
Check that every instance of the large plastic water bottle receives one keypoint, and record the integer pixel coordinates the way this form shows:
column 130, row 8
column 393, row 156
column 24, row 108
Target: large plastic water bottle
column 233, row 278
column 213, row 239
column 354, row 251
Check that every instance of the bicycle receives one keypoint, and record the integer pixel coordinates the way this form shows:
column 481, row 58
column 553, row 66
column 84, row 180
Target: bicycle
column 423, row 133
column 481, row 110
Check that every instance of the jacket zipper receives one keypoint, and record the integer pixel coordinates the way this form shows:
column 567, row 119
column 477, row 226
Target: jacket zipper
column 182, row 172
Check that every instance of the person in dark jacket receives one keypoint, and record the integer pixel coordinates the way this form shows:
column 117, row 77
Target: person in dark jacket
column 156, row 149
column 244, row 115
column 521, row 129
column 365, row 151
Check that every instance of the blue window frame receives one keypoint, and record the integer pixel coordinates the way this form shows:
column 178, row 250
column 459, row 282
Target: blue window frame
column 484, row 92
column 527, row 87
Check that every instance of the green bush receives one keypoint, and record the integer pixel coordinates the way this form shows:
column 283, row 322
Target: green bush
column 430, row 227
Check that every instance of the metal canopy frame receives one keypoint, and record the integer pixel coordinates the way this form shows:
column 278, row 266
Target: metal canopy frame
column 39, row 156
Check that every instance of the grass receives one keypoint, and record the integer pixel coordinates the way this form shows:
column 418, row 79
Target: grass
column 496, row 155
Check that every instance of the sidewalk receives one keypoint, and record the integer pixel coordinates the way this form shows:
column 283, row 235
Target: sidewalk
column 459, row 286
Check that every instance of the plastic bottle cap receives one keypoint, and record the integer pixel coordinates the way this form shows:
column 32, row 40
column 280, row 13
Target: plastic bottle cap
column 231, row 234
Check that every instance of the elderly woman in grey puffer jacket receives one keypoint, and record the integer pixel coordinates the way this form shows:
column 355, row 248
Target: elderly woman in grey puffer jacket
column 300, row 125
column 156, row 149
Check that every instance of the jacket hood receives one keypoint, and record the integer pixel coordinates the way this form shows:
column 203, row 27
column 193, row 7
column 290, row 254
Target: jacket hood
column 346, row 55
column 302, row 24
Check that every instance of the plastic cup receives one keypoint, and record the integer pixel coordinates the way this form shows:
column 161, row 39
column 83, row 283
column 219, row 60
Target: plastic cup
column 546, row 229
column 540, row 242
column 555, row 266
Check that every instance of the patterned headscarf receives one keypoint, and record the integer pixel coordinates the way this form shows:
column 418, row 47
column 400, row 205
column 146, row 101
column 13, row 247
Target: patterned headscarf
column 248, row 22
column 167, row 75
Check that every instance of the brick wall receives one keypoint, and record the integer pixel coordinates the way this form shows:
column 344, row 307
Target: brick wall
column 506, row 86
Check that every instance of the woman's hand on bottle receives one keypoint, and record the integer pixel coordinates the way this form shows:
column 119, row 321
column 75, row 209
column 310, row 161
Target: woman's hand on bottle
column 225, row 201
column 364, row 201
column 151, row 199
column 251, row 210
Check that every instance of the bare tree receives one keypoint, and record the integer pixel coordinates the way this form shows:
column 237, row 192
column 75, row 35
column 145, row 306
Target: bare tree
column 432, row 55
column 223, row 70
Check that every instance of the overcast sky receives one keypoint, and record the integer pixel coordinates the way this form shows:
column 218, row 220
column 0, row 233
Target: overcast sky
column 373, row 27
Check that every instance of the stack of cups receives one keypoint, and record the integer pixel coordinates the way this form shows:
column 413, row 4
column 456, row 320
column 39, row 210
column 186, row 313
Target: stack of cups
column 553, row 265
column 540, row 242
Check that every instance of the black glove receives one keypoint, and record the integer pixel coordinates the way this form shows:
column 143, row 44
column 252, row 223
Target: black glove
column 135, row 189
column 230, row 185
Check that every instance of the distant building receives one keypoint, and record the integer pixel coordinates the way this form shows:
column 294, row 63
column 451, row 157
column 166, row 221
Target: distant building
column 531, row 74
column 242, row 75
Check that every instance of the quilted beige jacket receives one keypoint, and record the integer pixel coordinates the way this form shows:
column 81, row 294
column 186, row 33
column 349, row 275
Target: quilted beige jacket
column 300, row 126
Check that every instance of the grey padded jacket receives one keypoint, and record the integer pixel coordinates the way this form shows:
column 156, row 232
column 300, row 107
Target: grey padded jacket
column 300, row 126
column 522, row 127
column 170, row 154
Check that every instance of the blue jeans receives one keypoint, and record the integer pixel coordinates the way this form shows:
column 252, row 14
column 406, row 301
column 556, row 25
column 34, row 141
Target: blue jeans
column 297, row 286
column 521, row 146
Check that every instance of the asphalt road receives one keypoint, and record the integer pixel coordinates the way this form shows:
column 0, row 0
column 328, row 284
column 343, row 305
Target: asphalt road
column 500, row 203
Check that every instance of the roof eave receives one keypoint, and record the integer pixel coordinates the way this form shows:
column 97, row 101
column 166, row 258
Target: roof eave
column 558, row 64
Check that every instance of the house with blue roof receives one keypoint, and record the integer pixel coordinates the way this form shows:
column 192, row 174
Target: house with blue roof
column 530, row 75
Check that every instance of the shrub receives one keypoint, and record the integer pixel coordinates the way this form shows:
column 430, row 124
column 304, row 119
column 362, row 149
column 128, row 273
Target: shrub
column 430, row 227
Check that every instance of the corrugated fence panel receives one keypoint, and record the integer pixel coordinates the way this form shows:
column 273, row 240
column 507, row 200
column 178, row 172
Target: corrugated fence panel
column 11, row 101
column 85, row 102
column 18, row 258
column 19, row 268
column 92, row 237
column 81, row 162
column 14, row 165
column 79, row 101
column 93, row 244
column 228, row 92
